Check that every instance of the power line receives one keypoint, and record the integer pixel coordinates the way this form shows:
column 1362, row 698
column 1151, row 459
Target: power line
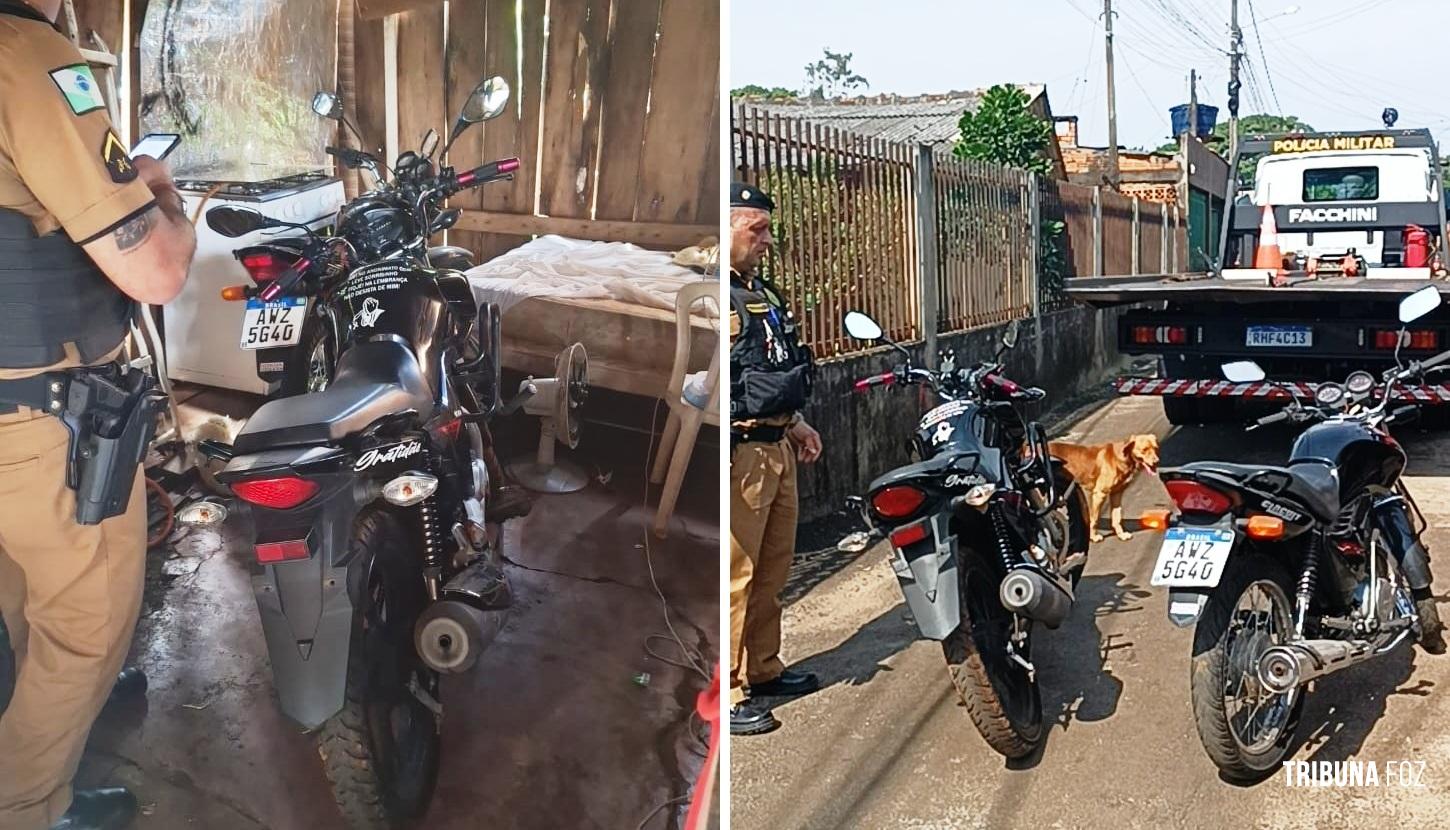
column 1254, row 18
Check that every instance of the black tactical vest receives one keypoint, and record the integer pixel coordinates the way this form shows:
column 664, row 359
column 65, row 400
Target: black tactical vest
column 770, row 371
column 51, row 293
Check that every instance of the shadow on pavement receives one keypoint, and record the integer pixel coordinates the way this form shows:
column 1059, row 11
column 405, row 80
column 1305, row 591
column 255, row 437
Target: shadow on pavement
column 1345, row 707
column 861, row 657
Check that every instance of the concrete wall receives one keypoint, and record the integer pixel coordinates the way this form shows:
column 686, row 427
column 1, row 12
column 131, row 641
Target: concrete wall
column 864, row 435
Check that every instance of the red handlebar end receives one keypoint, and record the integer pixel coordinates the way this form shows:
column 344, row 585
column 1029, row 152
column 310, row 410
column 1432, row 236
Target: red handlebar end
column 508, row 165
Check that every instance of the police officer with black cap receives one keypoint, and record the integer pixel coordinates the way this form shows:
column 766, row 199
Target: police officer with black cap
column 770, row 381
column 86, row 232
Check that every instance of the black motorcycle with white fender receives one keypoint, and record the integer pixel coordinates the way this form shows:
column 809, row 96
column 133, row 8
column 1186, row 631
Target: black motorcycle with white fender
column 1291, row 573
column 375, row 571
column 989, row 535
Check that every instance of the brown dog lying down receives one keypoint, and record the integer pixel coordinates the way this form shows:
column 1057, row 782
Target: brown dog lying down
column 1104, row 471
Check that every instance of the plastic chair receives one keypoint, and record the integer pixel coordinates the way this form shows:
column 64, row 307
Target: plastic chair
column 683, row 424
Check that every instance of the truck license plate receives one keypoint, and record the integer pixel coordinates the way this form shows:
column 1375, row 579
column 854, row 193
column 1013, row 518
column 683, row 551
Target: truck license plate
column 275, row 323
column 1294, row 337
column 1192, row 557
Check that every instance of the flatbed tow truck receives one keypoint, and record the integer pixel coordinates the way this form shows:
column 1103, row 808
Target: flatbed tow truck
column 1360, row 223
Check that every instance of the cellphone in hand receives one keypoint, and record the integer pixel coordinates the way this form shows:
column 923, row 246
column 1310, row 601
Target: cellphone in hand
column 156, row 145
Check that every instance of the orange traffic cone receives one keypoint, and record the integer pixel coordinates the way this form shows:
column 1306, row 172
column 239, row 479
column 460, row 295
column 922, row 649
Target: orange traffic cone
column 1267, row 255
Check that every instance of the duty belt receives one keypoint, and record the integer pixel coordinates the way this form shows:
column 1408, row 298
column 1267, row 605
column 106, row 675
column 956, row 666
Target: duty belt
column 45, row 392
column 757, row 434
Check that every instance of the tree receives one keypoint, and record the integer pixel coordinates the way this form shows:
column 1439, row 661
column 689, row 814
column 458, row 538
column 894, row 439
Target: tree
column 831, row 77
column 775, row 93
column 1006, row 131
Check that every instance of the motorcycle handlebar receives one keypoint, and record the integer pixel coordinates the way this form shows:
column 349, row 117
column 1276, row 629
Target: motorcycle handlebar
column 486, row 172
column 286, row 282
column 875, row 380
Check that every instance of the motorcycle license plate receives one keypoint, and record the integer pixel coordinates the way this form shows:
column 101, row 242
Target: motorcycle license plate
column 1192, row 557
column 275, row 323
column 1294, row 337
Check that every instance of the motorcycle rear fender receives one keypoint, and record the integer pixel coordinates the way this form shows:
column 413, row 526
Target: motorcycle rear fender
column 929, row 579
column 1185, row 605
column 304, row 605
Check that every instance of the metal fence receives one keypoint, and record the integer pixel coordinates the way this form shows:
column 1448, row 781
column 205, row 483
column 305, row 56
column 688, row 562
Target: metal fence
column 925, row 242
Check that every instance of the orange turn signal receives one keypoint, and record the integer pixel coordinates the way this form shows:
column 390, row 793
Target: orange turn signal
column 232, row 293
column 1265, row 527
column 1154, row 519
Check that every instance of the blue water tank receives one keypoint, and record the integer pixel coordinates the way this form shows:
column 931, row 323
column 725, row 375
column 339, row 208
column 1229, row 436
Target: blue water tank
column 1207, row 117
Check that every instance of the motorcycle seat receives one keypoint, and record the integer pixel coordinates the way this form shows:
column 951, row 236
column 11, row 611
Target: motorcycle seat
column 374, row 380
column 1311, row 483
column 936, row 466
column 450, row 256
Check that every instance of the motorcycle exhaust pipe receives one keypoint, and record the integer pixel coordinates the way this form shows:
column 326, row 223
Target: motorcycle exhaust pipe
column 470, row 612
column 1284, row 667
column 1029, row 591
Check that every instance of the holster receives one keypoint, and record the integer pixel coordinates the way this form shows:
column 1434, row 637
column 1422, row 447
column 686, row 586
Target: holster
column 110, row 413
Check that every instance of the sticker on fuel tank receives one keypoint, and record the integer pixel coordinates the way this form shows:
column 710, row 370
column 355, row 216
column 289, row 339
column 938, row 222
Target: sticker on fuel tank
column 387, row 455
column 373, row 279
column 941, row 413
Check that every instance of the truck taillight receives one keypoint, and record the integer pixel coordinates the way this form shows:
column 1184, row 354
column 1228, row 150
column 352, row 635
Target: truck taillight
column 1417, row 340
column 266, row 266
column 1171, row 335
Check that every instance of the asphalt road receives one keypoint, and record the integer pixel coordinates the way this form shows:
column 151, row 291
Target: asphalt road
column 885, row 743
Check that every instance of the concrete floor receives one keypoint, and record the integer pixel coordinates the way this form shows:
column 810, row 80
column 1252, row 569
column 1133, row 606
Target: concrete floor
column 548, row 731
column 885, row 744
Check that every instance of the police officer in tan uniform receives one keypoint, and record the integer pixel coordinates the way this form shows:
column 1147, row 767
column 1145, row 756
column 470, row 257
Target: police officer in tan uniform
column 85, row 233
column 770, row 380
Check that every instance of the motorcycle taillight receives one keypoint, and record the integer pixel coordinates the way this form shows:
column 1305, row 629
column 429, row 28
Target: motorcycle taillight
column 276, row 493
column 897, row 502
column 1192, row 497
column 265, row 266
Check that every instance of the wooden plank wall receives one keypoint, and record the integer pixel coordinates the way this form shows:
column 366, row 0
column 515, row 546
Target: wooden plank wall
column 614, row 114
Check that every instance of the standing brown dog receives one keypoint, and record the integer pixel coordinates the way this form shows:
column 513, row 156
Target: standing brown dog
column 1104, row 471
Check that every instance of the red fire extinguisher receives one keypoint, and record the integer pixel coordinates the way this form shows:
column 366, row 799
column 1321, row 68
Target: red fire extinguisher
column 1417, row 247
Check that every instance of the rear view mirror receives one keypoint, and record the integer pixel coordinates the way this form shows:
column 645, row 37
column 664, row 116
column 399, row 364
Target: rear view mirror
column 1009, row 336
column 1243, row 371
column 430, row 143
column 1419, row 304
column 327, row 105
column 487, row 101
column 233, row 222
column 862, row 327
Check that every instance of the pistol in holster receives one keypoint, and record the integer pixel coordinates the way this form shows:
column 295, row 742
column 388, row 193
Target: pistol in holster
column 110, row 413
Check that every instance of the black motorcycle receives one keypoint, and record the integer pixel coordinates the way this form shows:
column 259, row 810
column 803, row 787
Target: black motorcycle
column 989, row 532
column 1291, row 573
column 375, row 571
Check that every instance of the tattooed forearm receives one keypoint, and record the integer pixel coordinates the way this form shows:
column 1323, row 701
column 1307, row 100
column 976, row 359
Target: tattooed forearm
column 130, row 235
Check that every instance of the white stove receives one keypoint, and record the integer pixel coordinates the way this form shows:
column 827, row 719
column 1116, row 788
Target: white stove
column 203, row 330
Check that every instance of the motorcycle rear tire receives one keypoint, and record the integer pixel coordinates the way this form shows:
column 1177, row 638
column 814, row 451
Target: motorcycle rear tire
column 369, row 789
column 1211, row 660
column 299, row 379
column 1004, row 705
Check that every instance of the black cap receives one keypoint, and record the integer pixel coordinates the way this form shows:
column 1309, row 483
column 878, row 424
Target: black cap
column 749, row 196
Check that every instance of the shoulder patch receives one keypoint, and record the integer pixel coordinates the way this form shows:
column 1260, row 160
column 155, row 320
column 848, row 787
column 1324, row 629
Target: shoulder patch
column 117, row 162
column 79, row 87
column 757, row 308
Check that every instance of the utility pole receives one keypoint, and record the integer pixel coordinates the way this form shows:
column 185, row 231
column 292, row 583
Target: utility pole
column 1193, row 102
column 1113, row 169
column 1235, row 52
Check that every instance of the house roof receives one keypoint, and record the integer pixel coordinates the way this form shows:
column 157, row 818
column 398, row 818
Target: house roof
column 919, row 119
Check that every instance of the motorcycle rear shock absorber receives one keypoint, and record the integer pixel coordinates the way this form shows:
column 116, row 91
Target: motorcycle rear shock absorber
column 432, row 533
column 1003, row 534
column 1308, row 579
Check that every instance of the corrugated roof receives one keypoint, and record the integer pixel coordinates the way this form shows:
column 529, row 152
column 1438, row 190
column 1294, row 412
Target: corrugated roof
column 916, row 119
